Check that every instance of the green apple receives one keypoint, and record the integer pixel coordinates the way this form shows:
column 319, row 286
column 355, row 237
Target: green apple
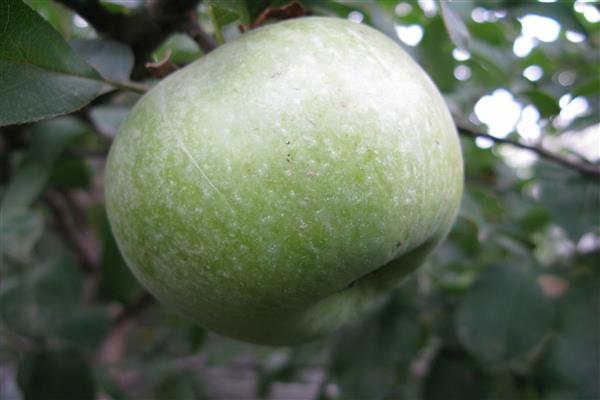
column 276, row 187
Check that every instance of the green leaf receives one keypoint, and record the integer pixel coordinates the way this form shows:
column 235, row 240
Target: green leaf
column 490, row 65
column 488, row 32
column 572, row 200
column 15, row 313
column 591, row 87
column 48, row 141
column 457, row 31
column 437, row 55
column 454, row 376
column 113, row 60
column 71, row 173
column 225, row 12
column 504, row 315
column 572, row 361
column 56, row 374
column 179, row 385
column 368, row 358
column 39, row 299
column 471, row 210
column 85, row 327
column 40, row 75
column 545, row 104
column 108, row 119
column 117, row 281
column 20, row 230
column 57, row 289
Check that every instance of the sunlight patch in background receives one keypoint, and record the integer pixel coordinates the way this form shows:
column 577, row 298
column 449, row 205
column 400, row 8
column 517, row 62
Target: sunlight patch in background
column 411, row 34
column 541, row 28
column 481, row 15
column 356, row 16
column 589, row 11
column 428, row 7
column 462, row 72
column 533, row 73
column 534, row 29
column 499, row 111
column 79, row 22
column 402, row 9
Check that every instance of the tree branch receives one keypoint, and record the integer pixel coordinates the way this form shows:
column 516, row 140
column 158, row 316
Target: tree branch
column 204, row 41
column 84, row 252
column 114, row 346
column 134, row 309
column 582, row 167
column 143, row 30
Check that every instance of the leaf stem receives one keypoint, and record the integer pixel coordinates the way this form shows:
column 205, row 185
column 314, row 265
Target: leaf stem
column 129, row 86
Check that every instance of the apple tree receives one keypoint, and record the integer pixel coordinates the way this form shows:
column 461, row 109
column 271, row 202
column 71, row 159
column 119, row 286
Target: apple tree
column 502, row 303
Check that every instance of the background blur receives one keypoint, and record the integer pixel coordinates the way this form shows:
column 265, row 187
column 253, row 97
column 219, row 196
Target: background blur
column 508, row 308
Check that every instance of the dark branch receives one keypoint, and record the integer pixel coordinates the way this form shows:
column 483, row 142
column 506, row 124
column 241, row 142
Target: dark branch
column 204, row 41
column 67, row 228
column 143, row 30
column 134, row 309
column 582, row 167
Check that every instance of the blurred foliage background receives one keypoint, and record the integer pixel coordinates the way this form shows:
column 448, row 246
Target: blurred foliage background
column 508, row 308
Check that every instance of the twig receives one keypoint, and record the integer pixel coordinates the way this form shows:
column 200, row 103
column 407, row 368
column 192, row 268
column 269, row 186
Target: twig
column 64, row 224
column 114, row 346
column 129, row 86
column 583, row 168
column 204, row 41
column 134, row 309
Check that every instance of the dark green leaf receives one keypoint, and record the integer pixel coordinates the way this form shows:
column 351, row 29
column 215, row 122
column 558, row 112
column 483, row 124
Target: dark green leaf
column 20, row 230
column 369, row 357
column 117, row 281
column 179, row 385
column 471, row 210
column 572, row 200
column 572, row 361
column 56, row 375
column 112, row 60
column 454, row 376
column 591, row 87
column 488, row 32
column 86, row 327
column 545, row 104
column 437, row 55
column 37, row 300
column 13, row 305
column 225, row 12
column 505, row 314
column 40, row 75
column 71, row 173
column 108, row 119
column 490, row 65
column 48, row 141
column 57, row 289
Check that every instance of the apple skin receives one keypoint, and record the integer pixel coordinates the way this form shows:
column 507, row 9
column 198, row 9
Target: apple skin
column 276, row 187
